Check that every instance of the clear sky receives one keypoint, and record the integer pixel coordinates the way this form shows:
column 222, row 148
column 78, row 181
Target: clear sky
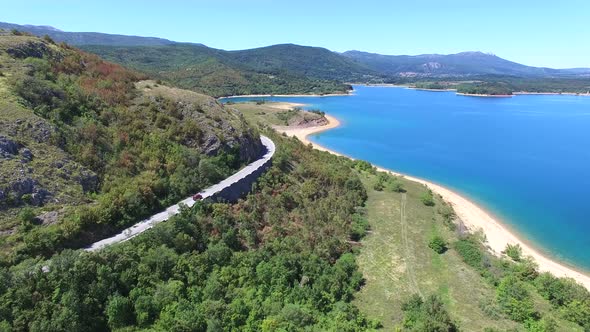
column 552, row 33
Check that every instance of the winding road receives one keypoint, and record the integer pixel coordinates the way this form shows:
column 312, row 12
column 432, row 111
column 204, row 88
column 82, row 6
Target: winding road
column 146, row 224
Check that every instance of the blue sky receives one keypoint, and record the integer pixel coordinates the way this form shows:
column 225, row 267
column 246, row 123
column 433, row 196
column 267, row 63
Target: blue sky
column 540, row 33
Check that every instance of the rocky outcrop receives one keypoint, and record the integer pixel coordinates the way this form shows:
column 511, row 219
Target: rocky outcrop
column 48, row 218
column 87, row 179
column 31, row 49
column 72, row 171
column 217, row 128
column 39, row 130
column 26, row 154
column 24, row 189
column 249, row 147
column 304, row 122
column 8, row 147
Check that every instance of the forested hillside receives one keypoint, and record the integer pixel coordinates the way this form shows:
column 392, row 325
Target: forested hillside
column 279, row 69
column 85, row 38
column 278, row 260
column 88, row 148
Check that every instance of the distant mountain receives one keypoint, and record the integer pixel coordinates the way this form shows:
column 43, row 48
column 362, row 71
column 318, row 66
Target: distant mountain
column 296, row 69
column 86, row 38
column 313, row 62
column 452, row 65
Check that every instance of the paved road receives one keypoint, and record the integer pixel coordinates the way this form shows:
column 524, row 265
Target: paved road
column 146, row 224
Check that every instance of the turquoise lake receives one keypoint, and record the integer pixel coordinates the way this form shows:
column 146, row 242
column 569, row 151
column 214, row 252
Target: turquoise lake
column 525, row 159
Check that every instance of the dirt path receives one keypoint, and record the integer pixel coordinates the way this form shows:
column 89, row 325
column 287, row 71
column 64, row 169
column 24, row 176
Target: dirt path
column 409, row 263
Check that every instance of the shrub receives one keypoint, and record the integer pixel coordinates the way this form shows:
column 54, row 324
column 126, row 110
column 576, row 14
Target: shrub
column 378, row 186
column 363, row 165
column 427, row 198
column 397, row 187
column 560, row 291
column 578, row 312
column 515, row 300
column 359, row 227
column 513, row 251
column 27, row 217
column 470, row 252
column 427, row 315
column 546, row 324
column 438, row 244
column 48, row 39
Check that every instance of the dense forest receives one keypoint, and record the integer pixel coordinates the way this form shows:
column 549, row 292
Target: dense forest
column 278, row 260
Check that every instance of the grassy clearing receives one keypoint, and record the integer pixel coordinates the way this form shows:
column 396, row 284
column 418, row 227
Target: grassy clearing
column 397, row 262
column 275, row 114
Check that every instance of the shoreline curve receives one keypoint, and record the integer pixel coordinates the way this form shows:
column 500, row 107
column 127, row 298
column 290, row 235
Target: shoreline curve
column 473, row 216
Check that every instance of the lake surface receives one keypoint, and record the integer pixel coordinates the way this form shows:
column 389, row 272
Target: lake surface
column 525, row 159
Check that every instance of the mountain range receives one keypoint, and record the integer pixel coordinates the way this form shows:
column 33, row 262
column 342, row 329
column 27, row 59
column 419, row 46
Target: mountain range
column 289, row 68
column 460, row 64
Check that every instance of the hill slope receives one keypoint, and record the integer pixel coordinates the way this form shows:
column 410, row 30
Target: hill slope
column 279, row 69
column 88, row 147
column 85, row 38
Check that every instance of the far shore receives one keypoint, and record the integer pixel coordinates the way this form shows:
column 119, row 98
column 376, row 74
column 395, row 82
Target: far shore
column 294, row 95
column 483, row 95
column 474, row 217
column 433, row 90
column 407, row 86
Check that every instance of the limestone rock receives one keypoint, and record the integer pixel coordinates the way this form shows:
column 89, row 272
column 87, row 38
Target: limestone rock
column 8, row 147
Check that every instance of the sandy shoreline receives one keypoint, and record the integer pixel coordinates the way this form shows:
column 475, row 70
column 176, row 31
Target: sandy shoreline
column 551, row 93
column 474, row 217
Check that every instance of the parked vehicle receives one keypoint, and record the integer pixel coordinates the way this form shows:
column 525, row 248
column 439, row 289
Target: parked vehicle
column 197, row 197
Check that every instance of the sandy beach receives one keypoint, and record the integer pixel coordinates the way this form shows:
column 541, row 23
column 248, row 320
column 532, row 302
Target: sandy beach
column 474, row 217
column 552, row 93
column 285, row 106
column 483, row 95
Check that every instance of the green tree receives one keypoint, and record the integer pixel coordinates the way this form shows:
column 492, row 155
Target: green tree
column 428, row 315
column 119, row 312
column 438, row 244
column 515, row 300
column 513, row 251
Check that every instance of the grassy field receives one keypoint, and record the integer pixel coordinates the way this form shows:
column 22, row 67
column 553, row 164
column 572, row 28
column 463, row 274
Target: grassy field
column 397, row 262
column 275, row 113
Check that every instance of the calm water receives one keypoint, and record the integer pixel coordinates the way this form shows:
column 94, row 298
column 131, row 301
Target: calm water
column 526, row 159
